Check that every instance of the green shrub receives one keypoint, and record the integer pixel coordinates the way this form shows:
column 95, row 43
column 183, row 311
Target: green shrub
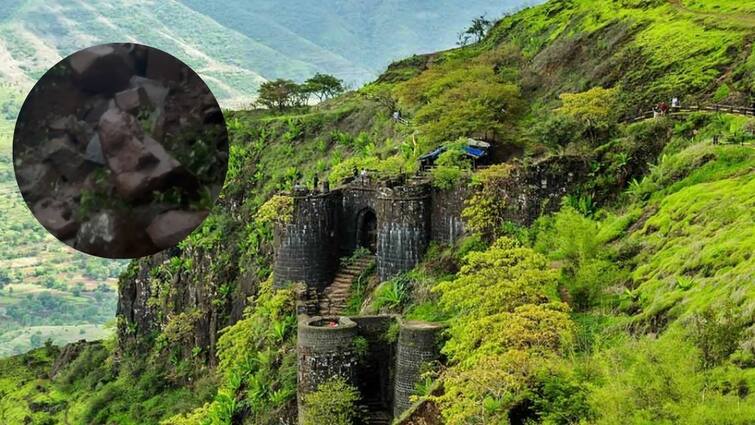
column 334, row 403
column 393, row 294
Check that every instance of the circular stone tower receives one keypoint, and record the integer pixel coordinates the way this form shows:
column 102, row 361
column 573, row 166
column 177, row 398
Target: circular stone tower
column 325, row 350
column 305, row 246
column 417, row 345
column 403, row 216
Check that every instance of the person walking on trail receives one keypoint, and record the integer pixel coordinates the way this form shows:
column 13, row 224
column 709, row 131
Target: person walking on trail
column 675, row 103
column 664, row 108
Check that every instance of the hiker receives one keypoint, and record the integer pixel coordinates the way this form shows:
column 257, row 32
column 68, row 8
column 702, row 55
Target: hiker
column 396, row 115
column 656, row 113
column 675, row 103
column 355, row 172
column 715, row 139
column 663, row 107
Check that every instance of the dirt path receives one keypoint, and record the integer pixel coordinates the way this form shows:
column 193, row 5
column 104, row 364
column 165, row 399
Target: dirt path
column 743, row 19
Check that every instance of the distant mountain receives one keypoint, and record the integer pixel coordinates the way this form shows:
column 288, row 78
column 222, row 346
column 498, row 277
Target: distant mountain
column 237, row 44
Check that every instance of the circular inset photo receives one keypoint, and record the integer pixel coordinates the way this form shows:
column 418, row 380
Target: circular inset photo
column 120, row 150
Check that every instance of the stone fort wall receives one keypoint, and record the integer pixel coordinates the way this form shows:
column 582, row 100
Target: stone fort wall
column 325, row 227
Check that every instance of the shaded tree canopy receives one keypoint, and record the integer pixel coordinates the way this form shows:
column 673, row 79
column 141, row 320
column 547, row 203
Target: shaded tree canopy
column 323, row 86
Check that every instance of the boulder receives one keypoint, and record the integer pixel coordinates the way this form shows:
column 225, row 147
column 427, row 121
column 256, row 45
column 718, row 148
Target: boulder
column 133, row 100
column 104, row 69
column 95, row 109
column 170, row 228
column 117, row 127
column 146, row 178
column 61, row 124
column 94, row 151
column 57, row 217
column 36, row 180
column 156, row 91
column 112, row 235
column 65, row 158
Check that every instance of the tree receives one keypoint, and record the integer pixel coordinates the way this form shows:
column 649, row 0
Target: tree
column 278, row 94
column 595, row 109
column 323, row 86
column 5, row 278
column 478, row 30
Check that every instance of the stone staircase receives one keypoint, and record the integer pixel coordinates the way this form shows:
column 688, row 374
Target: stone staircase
column 375, row 414
column 332, row 301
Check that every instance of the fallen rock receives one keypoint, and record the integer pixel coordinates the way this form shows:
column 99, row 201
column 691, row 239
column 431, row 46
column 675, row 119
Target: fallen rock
column 61, row 124
column 101, row 69
column 57, row 217
column 108, row 234
column 36, row 180
column 116, row 127
column 144, row 180
column 119, row 139
column 155, row 90
column 95, row 109
column 94, row 151
column 170, row 228
column 132, row 100
column 65, row 157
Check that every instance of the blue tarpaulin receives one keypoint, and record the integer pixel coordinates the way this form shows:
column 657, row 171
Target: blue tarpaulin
column 433, row 155
column 474, row 152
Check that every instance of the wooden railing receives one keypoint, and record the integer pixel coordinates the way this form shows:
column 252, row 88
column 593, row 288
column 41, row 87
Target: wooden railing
column 729, row 109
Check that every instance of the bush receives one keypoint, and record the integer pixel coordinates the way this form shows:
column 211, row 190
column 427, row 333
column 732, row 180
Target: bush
column 558, row 130
column 393, row 294
column 334, row 403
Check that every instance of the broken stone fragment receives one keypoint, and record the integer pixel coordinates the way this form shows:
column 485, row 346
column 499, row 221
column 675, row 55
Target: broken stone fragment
column 132, row 100
column 117, row 127
column 155, row 90
column 65, row 157
column 109, row 234
column 119, row 137
column 36, row 180
column 96, row 109
column 130, row 156
column 101, row 69
column 94, row 151
column 57, row 217
column 146, row 179
column 62, row 124
column 170, row 228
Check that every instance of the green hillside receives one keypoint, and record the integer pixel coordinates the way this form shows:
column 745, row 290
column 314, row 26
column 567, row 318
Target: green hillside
column 631, row 303
column 36, row 34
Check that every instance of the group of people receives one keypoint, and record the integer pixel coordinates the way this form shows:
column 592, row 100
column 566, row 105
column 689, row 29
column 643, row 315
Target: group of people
column 663, row 107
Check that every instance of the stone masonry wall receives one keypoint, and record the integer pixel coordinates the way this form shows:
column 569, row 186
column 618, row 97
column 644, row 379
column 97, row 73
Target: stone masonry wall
column 324, row 353
column 354, row 199
column 375, row 372
column 306, row 245
column 417, row 345
column 447, row 205
column 403, row 217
